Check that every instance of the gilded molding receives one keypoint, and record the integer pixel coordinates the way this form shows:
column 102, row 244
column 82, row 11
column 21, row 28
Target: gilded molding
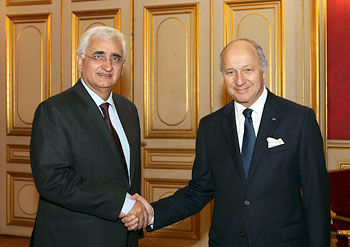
column 188, row 228
column 17, row 154
column 338, row 144
column 315, row 57
column 169, row 158
column 344, row 165
column 28, row 219
column 12, row 58
column 23, row 3
column 151, row 73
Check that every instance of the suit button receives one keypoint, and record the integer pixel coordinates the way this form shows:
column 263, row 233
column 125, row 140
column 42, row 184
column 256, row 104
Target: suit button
column 247, row 203
column 242, row 234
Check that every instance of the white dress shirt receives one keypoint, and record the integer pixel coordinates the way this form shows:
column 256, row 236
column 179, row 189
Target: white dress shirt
column 258, row 108
column 117, row 125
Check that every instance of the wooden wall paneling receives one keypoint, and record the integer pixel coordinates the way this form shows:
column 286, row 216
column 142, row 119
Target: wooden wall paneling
column 22, row 199
column 171, row 69
column 28, row 49
column 156, row 189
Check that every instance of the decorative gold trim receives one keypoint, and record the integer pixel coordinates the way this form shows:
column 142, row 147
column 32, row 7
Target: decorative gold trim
column 11, row 219
column 149, row 12
column 61, row 46
column 46, row 66
column 344, row 165
column 150, row 153
column 157, row 70
column 132, row 30
column 315, row 57
column 170, row 232
column 211, row 58
column 17, row 3
column 338, row 144
column 12, row 157
column 325, row 79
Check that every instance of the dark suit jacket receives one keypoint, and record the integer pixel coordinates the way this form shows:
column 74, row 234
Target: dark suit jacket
column 267, row 209
column 79, row 174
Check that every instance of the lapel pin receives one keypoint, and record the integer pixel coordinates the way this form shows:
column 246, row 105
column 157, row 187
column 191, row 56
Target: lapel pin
column 273, row 119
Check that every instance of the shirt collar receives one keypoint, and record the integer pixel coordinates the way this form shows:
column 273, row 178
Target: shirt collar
column 97, row 99
column 257, row 107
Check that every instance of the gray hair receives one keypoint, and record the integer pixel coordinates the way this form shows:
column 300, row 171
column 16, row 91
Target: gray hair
column 258, row 49
column 100, row 32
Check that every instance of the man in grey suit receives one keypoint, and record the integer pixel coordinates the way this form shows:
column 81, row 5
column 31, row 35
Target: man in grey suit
column 85, row 154
column 261, row 158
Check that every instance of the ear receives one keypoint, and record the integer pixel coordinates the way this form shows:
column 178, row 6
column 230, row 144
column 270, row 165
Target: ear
column 264, row 73
column 79, row 62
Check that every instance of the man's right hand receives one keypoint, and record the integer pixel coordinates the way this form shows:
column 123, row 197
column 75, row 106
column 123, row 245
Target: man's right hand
column 140, row 215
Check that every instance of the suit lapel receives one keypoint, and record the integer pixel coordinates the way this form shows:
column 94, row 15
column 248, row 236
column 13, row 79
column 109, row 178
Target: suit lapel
column 94, row 118
column 228, row 125
column 268, row 124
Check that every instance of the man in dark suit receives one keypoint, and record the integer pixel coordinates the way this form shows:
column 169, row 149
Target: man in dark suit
column 264, row 166
column 85, row 154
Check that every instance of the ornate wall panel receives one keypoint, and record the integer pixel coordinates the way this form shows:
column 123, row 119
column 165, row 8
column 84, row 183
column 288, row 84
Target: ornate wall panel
column 26, row 2
column 22, row 199
column 82, row 21
column 171, row 70
column 169, row 158
column 18, row 154
column 338, row 154
column 28, row 68
column 260, row 21
column 156, row 189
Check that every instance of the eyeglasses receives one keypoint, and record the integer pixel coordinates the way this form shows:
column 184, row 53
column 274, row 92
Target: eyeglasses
column 101, row 58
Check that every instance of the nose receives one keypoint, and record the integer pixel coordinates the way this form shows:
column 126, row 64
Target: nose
column 107, row 65
column 240, row 79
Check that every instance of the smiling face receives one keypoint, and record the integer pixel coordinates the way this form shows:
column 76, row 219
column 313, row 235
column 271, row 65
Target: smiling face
column 243, row 76
column 99, row 76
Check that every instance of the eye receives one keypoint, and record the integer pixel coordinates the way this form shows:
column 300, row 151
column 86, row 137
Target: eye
column 98, row 57
column 116, row 58
column 230, row 72
column 248, row 70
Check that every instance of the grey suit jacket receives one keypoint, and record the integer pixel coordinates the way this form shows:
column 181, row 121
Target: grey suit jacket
column 79, row 174
column 267, row 208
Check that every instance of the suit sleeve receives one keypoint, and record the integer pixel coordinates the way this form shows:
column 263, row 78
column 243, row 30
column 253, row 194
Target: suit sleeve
column 192, row 198
column 315, row 183
column 56, row 178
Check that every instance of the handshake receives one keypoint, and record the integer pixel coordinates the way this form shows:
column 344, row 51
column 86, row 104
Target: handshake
column 140, row 215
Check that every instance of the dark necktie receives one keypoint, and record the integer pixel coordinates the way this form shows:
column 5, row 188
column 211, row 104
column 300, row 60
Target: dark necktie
column 248, row 140
column 104, row 108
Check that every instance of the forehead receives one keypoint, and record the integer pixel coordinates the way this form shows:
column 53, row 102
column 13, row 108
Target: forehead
column 241, row 53
column 107, row 45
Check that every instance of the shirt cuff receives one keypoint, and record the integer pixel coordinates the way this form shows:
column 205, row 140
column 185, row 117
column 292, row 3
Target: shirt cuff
column 128, row 204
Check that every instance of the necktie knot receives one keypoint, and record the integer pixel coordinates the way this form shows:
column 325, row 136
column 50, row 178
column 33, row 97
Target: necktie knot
column 104, row 108
column 247, row 113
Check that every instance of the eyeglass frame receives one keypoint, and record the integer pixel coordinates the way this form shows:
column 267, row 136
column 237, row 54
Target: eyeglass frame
column 103, row 59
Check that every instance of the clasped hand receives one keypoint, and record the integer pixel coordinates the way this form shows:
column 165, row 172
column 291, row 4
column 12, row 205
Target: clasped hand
column 139, row 216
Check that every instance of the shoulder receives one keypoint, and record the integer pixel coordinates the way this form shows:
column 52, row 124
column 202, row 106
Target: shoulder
column 218, row 115
column 287, row 106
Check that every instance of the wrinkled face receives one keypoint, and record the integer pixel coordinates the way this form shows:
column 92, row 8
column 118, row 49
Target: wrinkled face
column 243, row 77
column 101, row 75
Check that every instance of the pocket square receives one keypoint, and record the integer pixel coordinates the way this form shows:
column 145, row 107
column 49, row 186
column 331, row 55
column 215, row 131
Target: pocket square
column 272, row 142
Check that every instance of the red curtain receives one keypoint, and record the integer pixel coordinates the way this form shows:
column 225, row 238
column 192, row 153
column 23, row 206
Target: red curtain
column 338, row 69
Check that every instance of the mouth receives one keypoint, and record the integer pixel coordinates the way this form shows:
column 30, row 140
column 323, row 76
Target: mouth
column 104, row 75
